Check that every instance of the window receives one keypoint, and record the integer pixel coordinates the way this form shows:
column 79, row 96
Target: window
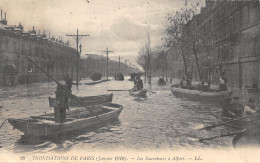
column 36, row 51
column 30, row 50
column 15, row 46
column 6, row 43
column 23, row 48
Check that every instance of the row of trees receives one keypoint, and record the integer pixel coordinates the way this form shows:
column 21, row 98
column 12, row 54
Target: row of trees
column 183, row 41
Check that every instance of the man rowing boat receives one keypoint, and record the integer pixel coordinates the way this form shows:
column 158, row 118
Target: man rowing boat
column 62, row 100
column 232, row 109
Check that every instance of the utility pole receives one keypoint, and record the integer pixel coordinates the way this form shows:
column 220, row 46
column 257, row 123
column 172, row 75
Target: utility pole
column 77, row 38
column 126, row 70
column 119, row 63
column 107, row 51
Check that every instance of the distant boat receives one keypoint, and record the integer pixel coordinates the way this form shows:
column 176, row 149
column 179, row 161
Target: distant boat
column 138, row 93
column 210, row 96
column 87, row 100
column 79, row 119
column 161, row 82
column 119, row 76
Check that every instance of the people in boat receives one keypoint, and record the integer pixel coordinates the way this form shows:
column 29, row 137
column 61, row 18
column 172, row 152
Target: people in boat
column 161, row 81
column 61, row 104
column 232, row 109
column 183, row 82
column 223, row 82
column 204, row 85
column 138, row 83
column 250, row 108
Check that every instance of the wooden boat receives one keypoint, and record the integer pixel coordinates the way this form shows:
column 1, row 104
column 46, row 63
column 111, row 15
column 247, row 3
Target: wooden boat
column 139, row 93
column 77, row 120
column 161, row 82
column 88, row 100
column 210, row 96
column 119, row 76
column 243, row 140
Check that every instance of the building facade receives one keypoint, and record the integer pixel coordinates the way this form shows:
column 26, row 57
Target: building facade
column 233, row 42
column 52, row 55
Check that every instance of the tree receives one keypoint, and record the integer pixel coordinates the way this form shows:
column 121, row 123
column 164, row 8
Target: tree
column 183, row 30
column 145, row 58
column 160, row 61
column 142, row 60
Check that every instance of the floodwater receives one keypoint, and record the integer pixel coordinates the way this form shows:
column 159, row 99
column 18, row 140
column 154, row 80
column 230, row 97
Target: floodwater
column 159, row 121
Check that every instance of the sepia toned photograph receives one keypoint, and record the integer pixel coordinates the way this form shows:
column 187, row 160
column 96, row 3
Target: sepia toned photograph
column 130, row 81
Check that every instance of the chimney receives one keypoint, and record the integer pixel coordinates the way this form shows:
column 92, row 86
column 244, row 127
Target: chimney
column 5, row 16
column 49, row 35
column 1, row 15
column 33, row 28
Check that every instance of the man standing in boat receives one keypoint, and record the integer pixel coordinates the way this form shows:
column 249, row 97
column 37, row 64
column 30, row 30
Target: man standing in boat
column 62, row 100
column 61, row 104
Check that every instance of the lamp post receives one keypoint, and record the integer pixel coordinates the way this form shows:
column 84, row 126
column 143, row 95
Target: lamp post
column 78, row 62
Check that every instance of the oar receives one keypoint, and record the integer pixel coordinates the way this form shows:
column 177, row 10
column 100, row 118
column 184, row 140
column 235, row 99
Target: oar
column 210, row 127
column 223, row 135
column 75, row 97
column 118, row 90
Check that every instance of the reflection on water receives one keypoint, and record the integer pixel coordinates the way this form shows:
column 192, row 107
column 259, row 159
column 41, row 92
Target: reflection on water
column 158, row 121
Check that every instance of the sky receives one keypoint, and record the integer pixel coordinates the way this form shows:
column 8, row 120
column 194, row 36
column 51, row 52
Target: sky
column 119, row 25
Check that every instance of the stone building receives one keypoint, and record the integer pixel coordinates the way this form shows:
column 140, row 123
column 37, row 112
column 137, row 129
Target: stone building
column 233, row 44
column 53, row 55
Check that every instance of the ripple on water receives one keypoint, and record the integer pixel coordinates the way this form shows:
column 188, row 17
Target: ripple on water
column 158, row 121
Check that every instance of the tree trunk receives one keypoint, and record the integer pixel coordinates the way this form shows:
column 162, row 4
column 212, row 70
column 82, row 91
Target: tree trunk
column 184, row 62
column 171, row 76
column 145, row 74
column 166, row 71
column 150, row 73
column 196, row 60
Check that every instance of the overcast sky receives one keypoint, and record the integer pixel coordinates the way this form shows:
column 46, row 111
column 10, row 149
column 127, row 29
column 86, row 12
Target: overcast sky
column 120, row 25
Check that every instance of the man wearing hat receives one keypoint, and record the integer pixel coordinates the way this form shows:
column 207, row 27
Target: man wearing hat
column 233, row 109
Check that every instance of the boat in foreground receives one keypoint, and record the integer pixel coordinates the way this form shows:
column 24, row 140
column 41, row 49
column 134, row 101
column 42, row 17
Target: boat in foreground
column 77, row 120
column 138, row 93
column 88, row 100
column 210, row 96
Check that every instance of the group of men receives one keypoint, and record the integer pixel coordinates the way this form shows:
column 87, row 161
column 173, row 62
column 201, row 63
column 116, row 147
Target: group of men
column 233, row 109
column 204, row 84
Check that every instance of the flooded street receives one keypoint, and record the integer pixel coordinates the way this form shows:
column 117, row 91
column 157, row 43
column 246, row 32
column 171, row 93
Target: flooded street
column 159, row 121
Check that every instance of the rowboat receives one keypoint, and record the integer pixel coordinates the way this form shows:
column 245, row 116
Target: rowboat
column 243, row 140
column 138, row 93
column 210, row 96
column 88, row 100
column 77, row 120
